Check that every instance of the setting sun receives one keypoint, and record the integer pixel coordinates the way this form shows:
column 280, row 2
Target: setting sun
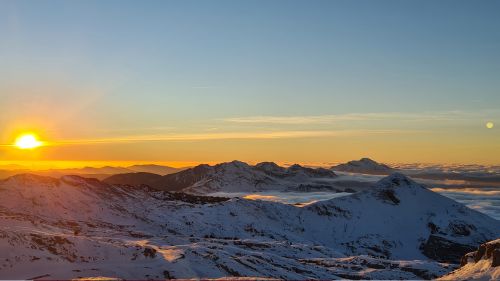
column 27, row 141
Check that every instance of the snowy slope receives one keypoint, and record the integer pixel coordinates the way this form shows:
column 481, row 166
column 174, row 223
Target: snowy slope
column 75, row 227
column 399, row 218
column 483, row 264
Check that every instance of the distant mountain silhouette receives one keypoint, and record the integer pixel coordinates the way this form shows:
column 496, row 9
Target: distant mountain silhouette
column 155, row 169
column 135, row 179
column 93, row 172
column 364, row 166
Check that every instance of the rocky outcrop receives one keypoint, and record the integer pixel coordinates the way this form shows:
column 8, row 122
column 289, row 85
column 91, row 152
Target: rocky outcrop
column 443, row 250
column 487, row 251
column 482, row 264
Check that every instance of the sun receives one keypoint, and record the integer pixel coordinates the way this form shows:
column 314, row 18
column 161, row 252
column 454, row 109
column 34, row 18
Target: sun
column 490, row 125
column 27, row 141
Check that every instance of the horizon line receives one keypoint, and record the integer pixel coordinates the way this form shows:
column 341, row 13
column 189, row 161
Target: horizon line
column 53, row 164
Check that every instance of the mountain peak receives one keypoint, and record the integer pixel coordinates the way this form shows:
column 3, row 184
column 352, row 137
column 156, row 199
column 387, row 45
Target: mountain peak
column 267, row 164
column 270, row 167
column 295, row 167
column 238, row 163
column 396, row 180
column 235, row 164
column 364, row 166
column 367, row 160
column 76, row 180
column 27, row 178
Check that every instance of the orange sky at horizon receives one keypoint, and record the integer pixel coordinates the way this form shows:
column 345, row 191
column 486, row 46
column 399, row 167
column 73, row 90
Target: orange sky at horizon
column 314, row 151
column 318, row 84
column 316, row 148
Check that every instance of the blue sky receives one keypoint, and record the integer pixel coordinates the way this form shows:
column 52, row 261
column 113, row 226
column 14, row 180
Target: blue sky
column 183, row 66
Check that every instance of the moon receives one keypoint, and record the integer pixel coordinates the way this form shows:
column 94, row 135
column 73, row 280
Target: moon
column 490, row 125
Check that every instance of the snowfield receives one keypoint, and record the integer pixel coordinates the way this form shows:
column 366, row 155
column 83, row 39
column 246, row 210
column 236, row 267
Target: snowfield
column 75, row 227
column 477, row 187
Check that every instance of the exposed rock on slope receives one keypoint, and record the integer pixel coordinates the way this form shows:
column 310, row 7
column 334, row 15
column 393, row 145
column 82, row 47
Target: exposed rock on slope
column 483, row 264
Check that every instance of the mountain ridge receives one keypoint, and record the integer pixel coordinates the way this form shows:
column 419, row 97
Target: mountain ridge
column 236, row 176
column 95, row 172
column 55, row 226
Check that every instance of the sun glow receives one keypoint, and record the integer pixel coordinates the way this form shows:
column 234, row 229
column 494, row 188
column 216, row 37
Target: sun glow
column 27, row 141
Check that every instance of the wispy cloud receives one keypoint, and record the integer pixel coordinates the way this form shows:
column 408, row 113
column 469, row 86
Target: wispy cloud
column 229, row 135
column 326, row 119
column 474, row 191
column 224, row 136
column 140, row 129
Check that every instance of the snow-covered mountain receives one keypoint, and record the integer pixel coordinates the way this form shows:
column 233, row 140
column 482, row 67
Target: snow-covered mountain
column 236, row 176
column 399, row 218
column 76, row 227
column 483, row 264
column 364, row 166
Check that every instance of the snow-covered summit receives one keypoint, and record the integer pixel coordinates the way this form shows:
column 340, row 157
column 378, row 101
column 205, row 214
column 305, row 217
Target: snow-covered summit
column 271, row 168
column 235, row 164
column 364, row 166
column 298, row 170
column 404, row 218
column 396, row 180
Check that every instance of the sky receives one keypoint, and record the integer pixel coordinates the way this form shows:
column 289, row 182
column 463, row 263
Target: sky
column 288, row 81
